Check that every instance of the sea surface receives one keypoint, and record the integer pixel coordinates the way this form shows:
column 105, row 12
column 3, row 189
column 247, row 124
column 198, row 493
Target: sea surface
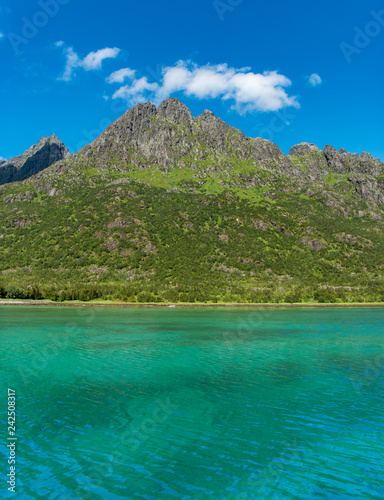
column 194, row 403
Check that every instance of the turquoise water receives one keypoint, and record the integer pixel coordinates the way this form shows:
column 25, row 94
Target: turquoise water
column 194, row 403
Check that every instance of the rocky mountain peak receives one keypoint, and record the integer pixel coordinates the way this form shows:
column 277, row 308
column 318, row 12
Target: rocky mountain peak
column 342, row 162
column 168, row 136
column 174, row 111
column 167, row 139
column 162, row 135
column 37, row 158
column 303, row 148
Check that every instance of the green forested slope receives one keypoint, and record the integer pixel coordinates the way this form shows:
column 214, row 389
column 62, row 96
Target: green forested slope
column 230, row 231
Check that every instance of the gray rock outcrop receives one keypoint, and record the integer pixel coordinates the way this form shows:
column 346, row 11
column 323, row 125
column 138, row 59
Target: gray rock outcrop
column 303, row 148
column 343, row 162
column 168, row 137
column 147, row 135
column 311, row 157
column 37, row 158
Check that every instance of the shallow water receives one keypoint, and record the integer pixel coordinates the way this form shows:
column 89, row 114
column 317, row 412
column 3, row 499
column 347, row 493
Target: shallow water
column 219, row 403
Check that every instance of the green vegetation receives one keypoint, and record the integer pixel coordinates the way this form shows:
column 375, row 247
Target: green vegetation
column 146, row 238
column 163, row 207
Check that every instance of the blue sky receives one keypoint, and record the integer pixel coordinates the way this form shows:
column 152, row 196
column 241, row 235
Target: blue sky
column 286, row 71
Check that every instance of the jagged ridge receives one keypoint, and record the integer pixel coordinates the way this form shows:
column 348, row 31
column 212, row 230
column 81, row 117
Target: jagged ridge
column 150, row 133
column 163, row 206
column 168, row 137
column 37, row 158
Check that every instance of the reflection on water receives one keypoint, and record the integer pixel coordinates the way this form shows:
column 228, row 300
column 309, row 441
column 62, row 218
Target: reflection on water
column 186, row 403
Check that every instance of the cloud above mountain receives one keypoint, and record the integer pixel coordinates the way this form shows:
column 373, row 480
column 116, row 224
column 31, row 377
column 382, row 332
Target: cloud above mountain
column 245, row 90
column 92, row 61
column 121, row 75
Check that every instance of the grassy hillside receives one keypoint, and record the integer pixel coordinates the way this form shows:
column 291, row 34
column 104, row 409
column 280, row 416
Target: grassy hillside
column 163, row 207
column 147, row 235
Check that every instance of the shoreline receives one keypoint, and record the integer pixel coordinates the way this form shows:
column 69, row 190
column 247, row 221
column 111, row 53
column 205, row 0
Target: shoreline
column 172, row 305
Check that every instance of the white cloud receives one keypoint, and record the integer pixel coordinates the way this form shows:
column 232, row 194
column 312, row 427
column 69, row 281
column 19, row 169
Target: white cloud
column 72, row 62
column 1, row 35
column 137, row 91
column 247, row 90
column 92, row 61
column 2, row 158
column 314, row 80
column 120, row 75
column 59, row 43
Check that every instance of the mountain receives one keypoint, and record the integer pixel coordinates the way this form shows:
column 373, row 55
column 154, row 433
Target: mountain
column 164, row 206
column 38, row 157
column 205, row 150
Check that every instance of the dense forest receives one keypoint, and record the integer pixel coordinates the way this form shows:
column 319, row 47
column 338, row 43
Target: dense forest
column 220, row 229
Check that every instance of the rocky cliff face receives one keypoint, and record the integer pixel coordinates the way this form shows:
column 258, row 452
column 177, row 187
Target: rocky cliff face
column 150, row 142
column 341, row 161
column 167, row 135
column 164, row 206
column 338, row 161
column 362, row 173
column 37, row 158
